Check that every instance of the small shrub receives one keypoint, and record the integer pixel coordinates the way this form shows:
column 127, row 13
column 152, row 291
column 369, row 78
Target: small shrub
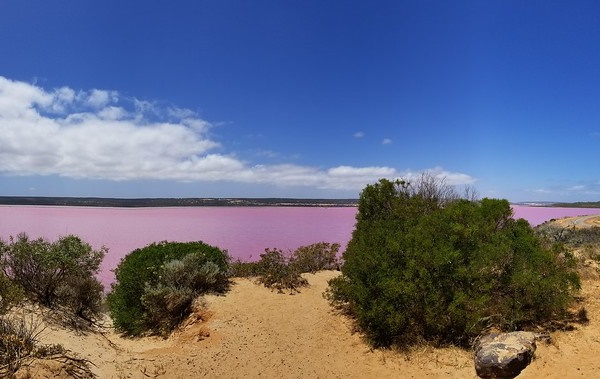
column 82, row 296
column 316, row 257
column 239, row 269
column 278, row 273
column 18, row 340
column 60, row 273
column 10, row 294
column 170, row 301
column 163, row 270
column 20, row 347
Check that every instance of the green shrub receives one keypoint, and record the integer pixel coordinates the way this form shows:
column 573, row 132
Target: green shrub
column 143, row 272
column 278, row 273
column 60, row 273
column 239, row 269
column 316, row 257
column 10, row 294
column 169, row 302
column 423, row 264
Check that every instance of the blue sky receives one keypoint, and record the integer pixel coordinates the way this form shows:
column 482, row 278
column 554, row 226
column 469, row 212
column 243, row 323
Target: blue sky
column 298, row 98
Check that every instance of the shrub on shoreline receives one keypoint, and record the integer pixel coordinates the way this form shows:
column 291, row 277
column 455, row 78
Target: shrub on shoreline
column 60, row 273
column 166, row 274
column 424, row 264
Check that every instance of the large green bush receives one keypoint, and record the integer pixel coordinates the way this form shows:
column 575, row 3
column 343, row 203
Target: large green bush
column 423, row 264
column 60, row 273
column 165, row 274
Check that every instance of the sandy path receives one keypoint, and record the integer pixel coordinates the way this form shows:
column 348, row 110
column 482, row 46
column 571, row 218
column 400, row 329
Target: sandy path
column 253, row 332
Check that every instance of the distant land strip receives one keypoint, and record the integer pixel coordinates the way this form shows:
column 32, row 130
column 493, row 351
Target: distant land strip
column 175, row 202
column 580, row 204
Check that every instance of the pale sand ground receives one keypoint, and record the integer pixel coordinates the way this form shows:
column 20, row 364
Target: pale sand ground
column 579, row 221
column 253, row 332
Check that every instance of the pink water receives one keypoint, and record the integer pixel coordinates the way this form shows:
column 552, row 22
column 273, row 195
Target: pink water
column 539, row 215
column 244, row 231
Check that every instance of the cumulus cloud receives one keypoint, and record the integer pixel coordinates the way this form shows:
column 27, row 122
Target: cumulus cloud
column 98, row 134
column 386, row 141
column 99, row 98
column 358, row 135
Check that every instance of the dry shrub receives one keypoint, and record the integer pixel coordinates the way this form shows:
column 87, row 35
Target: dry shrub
column 55, row 274
column 281, row 271
column 20, row 349
column 277, row 272
column 316, row 257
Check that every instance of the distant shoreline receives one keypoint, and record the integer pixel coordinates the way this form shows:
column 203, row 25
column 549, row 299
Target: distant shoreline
column 221, row 202
column 174, row 202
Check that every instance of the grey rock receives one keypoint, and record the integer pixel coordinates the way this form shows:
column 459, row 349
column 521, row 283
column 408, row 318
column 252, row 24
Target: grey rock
column 504, row 355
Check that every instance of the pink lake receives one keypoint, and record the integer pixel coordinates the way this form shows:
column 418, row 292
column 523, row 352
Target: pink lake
column 244, row 231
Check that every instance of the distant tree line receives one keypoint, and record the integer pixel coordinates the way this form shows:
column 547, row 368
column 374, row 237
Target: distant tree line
column 175, row 202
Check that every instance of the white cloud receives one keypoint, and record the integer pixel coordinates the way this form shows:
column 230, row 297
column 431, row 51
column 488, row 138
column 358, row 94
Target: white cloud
column 99, row 135
column 99, row 98
column 358, row 135
column 386, row 141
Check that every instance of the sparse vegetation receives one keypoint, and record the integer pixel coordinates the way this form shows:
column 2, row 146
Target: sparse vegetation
column 316, row 257
column 156, row 285
column 582, row 243
column 281, row 271
column 277, row 271
column 10, row 294
column 55, row 274
column 424, row 264
column 20, row 347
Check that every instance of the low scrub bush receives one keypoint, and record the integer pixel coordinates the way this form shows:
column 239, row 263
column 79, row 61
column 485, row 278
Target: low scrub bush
column 239, row 269
column 60, row 273
column 169, row 302
column 281, row 271
column 316, row 257
column 10, row 294
column 20, row 347
column 156, row 285
column 423, row 264
column 277, row 272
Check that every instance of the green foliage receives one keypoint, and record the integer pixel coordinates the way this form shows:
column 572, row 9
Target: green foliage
column 316, row 257
column 239, row 269
column 423, row 264
column 146, row 274
column 10, row 294
column 169, row 302
column 60, row 273
column 279, row 271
